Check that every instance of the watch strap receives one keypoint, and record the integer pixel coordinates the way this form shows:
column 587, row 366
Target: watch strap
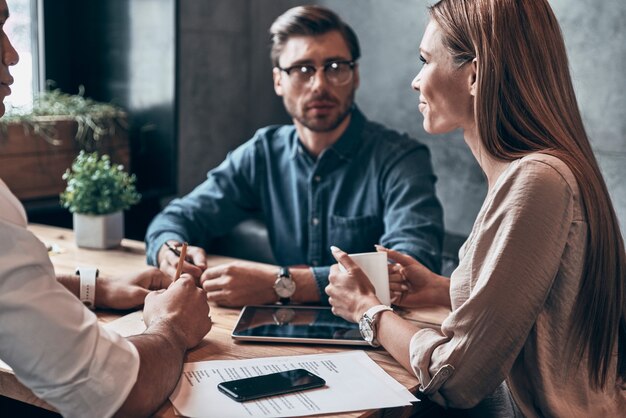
column 88, row 276
column 375, row 310
column 372, row 316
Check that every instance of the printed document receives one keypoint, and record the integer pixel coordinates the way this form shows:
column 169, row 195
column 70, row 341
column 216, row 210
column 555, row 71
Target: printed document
column 353, row 382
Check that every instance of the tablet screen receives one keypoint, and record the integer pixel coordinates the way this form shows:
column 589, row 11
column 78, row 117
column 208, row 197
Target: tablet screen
column 303, row 324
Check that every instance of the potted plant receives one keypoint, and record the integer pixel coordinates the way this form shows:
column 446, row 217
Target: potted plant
column 97, row 193
column 45, row 138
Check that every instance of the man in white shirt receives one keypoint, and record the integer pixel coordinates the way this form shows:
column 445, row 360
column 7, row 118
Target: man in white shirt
column 54, row 343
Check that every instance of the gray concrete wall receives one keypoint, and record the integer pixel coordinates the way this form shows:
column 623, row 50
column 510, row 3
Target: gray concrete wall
column 213, row 84
column 226, row 91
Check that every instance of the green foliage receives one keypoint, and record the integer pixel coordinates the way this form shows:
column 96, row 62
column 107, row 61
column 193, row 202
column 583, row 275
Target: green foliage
column 95, row 120
column 97, row 187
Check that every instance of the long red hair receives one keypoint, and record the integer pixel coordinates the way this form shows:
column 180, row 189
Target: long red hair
column 525, row 103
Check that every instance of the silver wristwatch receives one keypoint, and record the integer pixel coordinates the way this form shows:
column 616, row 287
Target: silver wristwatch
column 367, row 323
column 284, row 286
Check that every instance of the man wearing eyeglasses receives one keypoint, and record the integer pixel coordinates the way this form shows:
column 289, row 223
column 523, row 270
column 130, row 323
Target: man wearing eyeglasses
column 331, row 178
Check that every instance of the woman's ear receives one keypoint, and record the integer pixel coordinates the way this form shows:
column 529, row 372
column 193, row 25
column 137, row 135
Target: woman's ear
column 473, row 77
column 278, row 87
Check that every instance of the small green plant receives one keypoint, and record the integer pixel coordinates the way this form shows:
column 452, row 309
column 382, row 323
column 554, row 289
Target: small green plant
column 95, row 186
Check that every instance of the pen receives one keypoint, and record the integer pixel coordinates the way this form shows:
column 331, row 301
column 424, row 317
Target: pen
column 181, row 259
column 177, row 252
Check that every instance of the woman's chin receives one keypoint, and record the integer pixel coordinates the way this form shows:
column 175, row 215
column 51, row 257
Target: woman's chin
column 429, row 128
column 436, row 130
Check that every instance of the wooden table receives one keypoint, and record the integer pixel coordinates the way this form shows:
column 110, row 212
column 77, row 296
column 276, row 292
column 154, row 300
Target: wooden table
column 218, row 344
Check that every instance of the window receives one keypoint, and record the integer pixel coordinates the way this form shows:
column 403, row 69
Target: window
column 22, row 31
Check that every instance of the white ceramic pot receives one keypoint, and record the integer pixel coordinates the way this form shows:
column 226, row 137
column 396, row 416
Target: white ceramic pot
column 99, row 231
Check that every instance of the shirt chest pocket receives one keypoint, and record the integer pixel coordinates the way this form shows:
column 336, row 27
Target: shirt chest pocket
column 355, row 234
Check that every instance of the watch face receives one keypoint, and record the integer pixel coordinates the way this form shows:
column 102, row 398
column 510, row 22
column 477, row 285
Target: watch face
column 365, row 327
column 285, row 287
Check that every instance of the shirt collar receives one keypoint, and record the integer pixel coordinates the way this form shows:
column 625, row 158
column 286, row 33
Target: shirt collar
column 347, row 143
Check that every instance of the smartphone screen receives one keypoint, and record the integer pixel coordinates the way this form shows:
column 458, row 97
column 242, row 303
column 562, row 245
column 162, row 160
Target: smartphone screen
column 270, row 384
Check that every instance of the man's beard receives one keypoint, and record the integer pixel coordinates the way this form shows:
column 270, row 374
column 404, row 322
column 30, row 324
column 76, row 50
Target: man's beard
column 321, row 124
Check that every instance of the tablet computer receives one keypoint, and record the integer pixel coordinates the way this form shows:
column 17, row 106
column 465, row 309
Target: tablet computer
column 295, row 324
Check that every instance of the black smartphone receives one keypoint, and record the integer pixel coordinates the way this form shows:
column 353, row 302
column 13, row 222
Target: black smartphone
column 270, row 384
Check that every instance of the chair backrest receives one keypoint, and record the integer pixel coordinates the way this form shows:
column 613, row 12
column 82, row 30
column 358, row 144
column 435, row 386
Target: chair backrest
column 248, row 241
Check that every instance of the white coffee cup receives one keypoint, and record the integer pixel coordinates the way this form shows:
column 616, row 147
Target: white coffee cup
column 374, row 265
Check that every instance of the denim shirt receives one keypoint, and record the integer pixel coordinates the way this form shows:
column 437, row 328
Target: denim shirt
column 372, row 186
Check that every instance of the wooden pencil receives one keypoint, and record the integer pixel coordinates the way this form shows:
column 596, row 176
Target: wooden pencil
column 181, row 261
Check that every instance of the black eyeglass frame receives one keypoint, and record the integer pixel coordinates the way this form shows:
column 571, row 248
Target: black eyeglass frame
column 324, row 67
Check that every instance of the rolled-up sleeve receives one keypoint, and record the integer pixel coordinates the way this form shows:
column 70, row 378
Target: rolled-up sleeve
column 223, row 200
column 53, row 343
column 509, row 267
column 320, row 274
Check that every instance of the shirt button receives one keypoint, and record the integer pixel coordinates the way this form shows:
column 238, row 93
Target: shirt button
column 317, row 179
column 315, row 221
column 315, row 263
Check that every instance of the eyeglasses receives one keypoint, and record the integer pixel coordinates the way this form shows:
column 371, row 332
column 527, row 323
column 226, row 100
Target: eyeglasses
column 337, row 73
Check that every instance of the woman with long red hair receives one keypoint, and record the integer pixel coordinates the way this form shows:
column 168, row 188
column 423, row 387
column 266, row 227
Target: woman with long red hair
column 538, row 305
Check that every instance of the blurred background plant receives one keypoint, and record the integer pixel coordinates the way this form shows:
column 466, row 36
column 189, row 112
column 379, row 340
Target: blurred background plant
column 95, row 186
column 96, row 120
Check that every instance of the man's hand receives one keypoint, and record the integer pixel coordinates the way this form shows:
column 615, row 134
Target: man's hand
column 194, row 264
column 129, row 291
column 240, row 283
column 181, row 312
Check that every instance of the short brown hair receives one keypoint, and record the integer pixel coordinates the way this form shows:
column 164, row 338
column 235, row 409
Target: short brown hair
column 309, row 21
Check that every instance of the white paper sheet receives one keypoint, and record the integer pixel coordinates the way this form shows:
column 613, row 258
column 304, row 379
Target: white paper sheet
column 353, row 382
column 131, row 324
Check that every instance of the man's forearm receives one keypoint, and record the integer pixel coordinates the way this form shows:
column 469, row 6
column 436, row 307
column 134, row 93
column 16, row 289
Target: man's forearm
column 70, row 282
column 161, row 358
column 306, row 286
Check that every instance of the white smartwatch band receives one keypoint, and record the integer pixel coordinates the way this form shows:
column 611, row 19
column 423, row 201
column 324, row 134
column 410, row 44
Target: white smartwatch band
column 375, row 310
column 88, row 277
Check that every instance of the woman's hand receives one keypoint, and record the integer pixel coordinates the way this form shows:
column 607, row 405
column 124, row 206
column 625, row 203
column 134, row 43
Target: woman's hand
column 350, row 293
column 412, row 284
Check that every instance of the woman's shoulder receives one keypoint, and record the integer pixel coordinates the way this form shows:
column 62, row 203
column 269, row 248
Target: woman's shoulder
column 537, row 179
column 546, row 170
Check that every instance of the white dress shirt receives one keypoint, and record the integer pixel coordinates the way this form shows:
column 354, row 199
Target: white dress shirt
column 53, row 343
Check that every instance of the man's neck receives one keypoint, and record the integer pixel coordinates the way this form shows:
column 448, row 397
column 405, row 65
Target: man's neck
column 316, row 142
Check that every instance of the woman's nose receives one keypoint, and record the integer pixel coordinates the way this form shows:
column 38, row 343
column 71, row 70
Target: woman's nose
column 415, row 84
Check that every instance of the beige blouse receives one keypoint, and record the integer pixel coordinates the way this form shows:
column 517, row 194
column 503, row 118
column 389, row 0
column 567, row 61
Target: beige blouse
column 512, row 295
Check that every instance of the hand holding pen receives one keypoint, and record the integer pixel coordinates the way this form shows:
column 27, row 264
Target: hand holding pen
column 193, row 262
